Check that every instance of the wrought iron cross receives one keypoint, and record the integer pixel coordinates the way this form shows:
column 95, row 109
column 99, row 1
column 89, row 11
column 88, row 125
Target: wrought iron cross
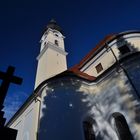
column 7, row 79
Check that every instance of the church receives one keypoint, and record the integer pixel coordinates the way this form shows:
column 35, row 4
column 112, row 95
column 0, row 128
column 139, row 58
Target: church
column 97, row 99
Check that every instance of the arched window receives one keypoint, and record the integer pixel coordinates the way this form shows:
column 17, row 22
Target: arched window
column 122, row 127
column 56, row 42
column 88, row 129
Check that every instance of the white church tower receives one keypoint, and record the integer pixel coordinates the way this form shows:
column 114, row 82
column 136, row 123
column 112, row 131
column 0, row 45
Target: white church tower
column 52, row 57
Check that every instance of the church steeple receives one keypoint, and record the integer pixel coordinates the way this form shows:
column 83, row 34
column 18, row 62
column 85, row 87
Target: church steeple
column 52, row 57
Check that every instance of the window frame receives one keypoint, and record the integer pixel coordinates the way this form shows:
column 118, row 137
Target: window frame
column 56, row 42
column 121, row 126
column 99, row 68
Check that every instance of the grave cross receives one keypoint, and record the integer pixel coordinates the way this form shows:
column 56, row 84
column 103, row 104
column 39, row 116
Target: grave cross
column 7, row 79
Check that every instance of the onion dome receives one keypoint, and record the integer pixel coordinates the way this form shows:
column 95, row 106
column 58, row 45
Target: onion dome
column 53, row 25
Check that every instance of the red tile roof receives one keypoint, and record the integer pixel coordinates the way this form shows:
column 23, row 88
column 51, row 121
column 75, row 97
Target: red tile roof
column 92, row 52
column 76, row 68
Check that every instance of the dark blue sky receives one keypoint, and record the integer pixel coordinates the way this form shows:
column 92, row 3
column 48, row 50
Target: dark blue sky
column 84, row 22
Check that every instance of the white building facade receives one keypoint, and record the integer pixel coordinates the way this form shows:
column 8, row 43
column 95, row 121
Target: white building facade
column 89, row 101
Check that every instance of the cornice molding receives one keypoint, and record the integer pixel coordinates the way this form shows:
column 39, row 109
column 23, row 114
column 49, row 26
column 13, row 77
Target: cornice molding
column 53, row 47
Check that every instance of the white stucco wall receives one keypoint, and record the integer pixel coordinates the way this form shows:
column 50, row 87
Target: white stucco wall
column 50, row 64
column 52, row 58
column 27, row 122
column 106, row 58
column 67, row 102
